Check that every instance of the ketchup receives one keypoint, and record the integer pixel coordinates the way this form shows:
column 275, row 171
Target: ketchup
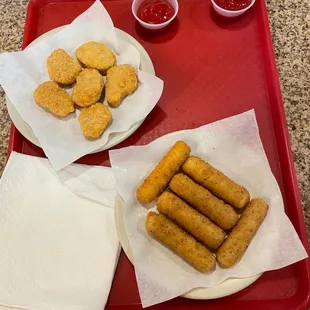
column 155, row 11
column 233, row 5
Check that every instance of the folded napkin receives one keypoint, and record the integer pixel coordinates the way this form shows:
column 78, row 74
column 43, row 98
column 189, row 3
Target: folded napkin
column 58, row 250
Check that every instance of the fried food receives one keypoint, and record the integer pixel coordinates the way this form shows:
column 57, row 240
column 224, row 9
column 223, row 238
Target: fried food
column 52, row 97
column 180, row 242
column 88, row 88
column 62, row 68
column 96, row 55
column 240, row 237
column 216, row 182
column 190, row 220
column 201, row 199
column 94, row 120
column 158, row 179
column 121, row 81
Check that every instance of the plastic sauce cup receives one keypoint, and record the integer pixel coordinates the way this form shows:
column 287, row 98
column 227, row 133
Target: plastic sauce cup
column 230, row 13
column 135, row 6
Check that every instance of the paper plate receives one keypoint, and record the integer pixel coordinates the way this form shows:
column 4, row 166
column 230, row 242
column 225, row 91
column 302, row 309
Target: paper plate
column 226, row 288
column 145, row 65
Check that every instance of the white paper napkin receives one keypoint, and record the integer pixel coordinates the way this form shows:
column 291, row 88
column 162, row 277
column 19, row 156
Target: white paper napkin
column 58, row 251
column 233, row 146
column 62, row 140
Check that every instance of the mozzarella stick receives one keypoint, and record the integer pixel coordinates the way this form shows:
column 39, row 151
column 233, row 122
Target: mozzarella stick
column 190, row 220
column 201, row 199
column 240, row 237
column 216, row 182
column 180, row 242
column 159, row 178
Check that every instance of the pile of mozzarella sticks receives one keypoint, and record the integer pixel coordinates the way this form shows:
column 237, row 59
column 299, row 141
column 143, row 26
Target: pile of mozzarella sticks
column 199, row 210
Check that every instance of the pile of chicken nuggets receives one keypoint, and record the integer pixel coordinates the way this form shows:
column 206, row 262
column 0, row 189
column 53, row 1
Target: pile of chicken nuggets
column 204, row 216
column 94, row 60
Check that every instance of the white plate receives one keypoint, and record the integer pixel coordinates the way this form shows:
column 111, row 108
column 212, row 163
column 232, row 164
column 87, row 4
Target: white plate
column 145, row 65
column 228, row 287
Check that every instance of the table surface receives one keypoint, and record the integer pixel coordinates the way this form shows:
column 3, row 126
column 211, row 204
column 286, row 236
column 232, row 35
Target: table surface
column 290, row 27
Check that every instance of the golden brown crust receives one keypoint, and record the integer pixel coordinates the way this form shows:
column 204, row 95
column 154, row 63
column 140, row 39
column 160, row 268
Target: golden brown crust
column 94, row 120
column 96, row 55
column 62, row 68
column 180, row 242
column 52, row 97
column 216, row 182
column 158, row 179
column 240, row 237
column 201, row 199
column 88, row 88
column 121, row 81
column 190, row 220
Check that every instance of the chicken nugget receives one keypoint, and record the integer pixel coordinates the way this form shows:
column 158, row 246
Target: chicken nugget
column 121, row 81
column 94, row 120
column 52, row 97
column 240, row 237
column 190, row 220
column 62, row 68
column 96, row 55
column 88, row 88
column 159, row 178
column 216, row 182
column 180, row 242
column 201, row 199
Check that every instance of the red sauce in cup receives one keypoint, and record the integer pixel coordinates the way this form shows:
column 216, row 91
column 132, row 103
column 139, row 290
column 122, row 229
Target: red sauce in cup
column 155, row 11
column 233, row 5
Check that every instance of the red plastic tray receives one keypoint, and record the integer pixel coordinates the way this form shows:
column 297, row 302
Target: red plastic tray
column 212, row 69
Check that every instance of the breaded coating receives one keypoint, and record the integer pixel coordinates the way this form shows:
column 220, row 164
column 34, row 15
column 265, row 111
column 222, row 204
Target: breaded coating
column 88, row 88
column 201, row 199
column 158, row 179
column 121, row 81
column 52, row 97
column 216, row 182
column 190, row 220
column 96, row 55
column 180, row 242
column 62, row 68
column 240, row 237
column 94, row 120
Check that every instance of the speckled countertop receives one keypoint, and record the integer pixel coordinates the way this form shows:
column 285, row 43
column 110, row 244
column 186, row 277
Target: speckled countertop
column 290, row 25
